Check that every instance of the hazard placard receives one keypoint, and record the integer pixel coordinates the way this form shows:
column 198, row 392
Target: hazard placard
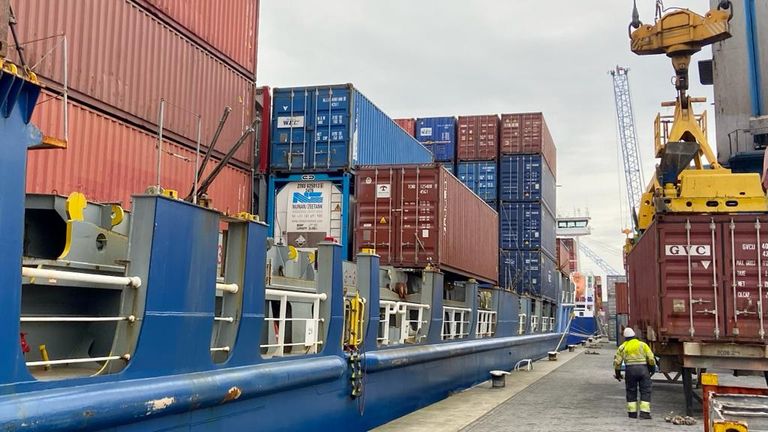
column 383, row 220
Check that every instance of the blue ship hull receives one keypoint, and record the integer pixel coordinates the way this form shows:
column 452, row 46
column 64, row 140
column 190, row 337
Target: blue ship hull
column 581, row 329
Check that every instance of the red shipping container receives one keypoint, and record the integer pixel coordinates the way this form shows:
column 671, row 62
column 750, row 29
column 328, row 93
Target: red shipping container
column 123, row 61
column 415, row 216
column 572, row 254
column 408, row 124
column 478, row 137
column 564, row 256
column 527, row 133
column 264, row 98
column 229, row 27
column 109, row 161
column 622, row 298
column 700, row 277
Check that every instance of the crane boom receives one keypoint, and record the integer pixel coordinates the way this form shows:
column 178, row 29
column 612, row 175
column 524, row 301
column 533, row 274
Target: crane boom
column 597, row 259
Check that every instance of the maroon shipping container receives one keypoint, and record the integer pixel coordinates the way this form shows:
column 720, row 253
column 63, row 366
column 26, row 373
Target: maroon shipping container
column 564, row 256
column 700, row 278
column 569, row 246
column 408, row 124
column 122, row 61
column 414, row 216
column 478, row 137
column 527, row 133
column 622, row 298
column 109, row 161
column 229, row 27
column 264, row 98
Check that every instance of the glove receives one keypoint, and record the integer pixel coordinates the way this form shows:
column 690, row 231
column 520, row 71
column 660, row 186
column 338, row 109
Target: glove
column 651, row 369
column 617, row 375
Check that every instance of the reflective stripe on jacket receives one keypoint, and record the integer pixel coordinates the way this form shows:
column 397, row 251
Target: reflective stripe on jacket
column 633, row 352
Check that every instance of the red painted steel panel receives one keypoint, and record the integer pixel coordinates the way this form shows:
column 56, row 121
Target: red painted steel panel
column 109, row 161
column 264, row 98
column 230, row 27
column 564, row 256
column 527, row 133
column 414, row 216
column 622, row 298
column 478, row 137
column 408, row 124
column 123, row 61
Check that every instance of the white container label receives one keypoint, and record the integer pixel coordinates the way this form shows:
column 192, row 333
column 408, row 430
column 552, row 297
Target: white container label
column 685, row 250
column 290, row 122
column 383, row 191
column 425, row 131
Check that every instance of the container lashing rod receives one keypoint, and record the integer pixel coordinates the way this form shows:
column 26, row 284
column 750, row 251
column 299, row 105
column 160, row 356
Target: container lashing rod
column 759, row 249
column 207, row 157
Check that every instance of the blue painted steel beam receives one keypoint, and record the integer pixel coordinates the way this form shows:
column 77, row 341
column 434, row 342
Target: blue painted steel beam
column 753, row 60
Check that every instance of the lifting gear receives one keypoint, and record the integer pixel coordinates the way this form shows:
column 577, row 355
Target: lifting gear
column 353, row 321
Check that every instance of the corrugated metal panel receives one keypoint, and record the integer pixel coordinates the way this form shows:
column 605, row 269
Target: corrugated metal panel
column 408, row 124
column 264, row 98
column 478, row 137
column 527, row 133
column 230, row 27
column 480, row 177
column 528, row 272
column 527, row 226
column 420, row 215
column 438, row 134
column 526, row 178
column 449, row 167
column 335, row 128
column 564, row 256
column 622, row 298
column 123, row 61
column 109, row 161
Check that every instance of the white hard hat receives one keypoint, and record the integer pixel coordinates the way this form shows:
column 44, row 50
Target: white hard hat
column 628, row 332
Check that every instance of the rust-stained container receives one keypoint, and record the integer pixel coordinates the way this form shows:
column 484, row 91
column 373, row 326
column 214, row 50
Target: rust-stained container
column 414, row 216
column 700, row 277
column 478, row 137
column 564, row 255
column 622, row 298
column 109, row 161
column 527, row 133
column 408, row 124
column 229, row 27
column 122, row 61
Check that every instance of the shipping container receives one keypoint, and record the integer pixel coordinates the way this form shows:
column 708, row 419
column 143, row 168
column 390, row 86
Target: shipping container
column 622, row 298
column 527, row 133
column 529, row 272
column 335, row 128
column 480, row 177
column 438, row 134
column 527, row 226
column 230, row 28
column 448, row 167
column 527, row 178
column 478, row 138
column 415, row 216
column 700, row 277
column 123, row 61
column 109, row 161
column 408, row 124
column 573, row 254
column 263, row 99
column 564, row 256
column 305, row 209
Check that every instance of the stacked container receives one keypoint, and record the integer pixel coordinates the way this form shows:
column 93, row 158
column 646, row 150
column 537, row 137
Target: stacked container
column 527, row 206
column 438, row 135
column 408, row 124
column 477, row 154
column 132, row 56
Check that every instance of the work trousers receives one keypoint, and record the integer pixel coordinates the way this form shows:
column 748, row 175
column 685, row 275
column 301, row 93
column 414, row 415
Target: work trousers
column 638, row 377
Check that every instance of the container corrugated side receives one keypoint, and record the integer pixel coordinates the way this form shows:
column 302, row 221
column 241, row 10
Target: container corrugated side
column 335, row 128
column 480, row 177
column 408, row 124
column 438, row 134
column 563, row 256
column 122, row 61
column 527, row 133
column 229, row 27
column 109, row 161
column 527, row 226
column 414, row 216
column 529, row 272
column 263, row 98
column 478, row 137
column 527, row 178
column 622, row 298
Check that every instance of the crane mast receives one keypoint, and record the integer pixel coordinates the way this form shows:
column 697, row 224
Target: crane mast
column 597, row 259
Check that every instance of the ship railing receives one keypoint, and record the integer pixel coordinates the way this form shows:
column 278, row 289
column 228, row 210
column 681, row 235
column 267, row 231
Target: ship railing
column 409, row 318
column 312, row 338
column 486, row 323
column 223, row 288
column 521, row 320
column 455, row 322
column 551, row 324
column 534, row 323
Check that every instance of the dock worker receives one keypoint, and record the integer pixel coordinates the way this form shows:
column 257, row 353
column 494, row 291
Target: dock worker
column 640, row 365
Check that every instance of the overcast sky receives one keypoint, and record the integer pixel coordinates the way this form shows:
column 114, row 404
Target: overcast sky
column 419, row 58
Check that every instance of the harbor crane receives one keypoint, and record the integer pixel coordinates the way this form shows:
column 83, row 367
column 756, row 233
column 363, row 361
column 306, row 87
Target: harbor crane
column 599, row 261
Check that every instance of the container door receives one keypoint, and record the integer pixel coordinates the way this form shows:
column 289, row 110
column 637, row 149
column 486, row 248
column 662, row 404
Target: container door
column 376, row 211
column 746, row 271
column 292, row 129
column 689, row 250
column 332, row 132
column 417, row 238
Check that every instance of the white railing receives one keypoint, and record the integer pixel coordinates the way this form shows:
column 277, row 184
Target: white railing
column 521, row 320
column 486, row 323
column 455, row 322
column 534, row 323
column 54, row 275
column 405, row 329
column 312, row 339
column 551, row 324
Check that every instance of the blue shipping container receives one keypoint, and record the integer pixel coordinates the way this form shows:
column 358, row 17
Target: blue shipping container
column 335, row 128
column 449, row 167
column 526, row 225
column 529, row 272
column 438, row 134
column 480, row 177
column 526, row 178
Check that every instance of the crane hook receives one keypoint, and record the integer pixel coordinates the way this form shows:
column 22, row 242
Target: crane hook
column 636, row 23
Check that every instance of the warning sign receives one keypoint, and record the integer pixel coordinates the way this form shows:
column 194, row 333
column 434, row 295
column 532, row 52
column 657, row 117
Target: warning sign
column 383, row 191
column 383, row 220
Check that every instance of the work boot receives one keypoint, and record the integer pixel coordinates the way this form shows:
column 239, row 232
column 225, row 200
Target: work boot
column 632, row 414
column 645, row 415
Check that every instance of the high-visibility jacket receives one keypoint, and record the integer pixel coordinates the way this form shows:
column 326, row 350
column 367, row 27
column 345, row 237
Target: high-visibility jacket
column 634, row 352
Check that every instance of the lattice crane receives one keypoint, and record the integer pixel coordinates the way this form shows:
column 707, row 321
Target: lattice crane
column 597, row 259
